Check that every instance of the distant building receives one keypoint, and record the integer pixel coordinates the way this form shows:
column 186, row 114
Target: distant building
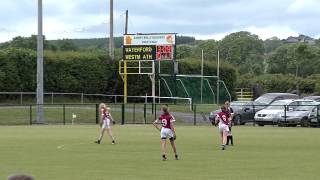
column 300, row 38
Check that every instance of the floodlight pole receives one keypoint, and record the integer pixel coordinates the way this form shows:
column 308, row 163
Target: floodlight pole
column 125, row 75
column 218, row 78
column 111, row 39
column 126, row 22
column 201, row 74
column 153, row 80
column 40, row 65
column 159, row 83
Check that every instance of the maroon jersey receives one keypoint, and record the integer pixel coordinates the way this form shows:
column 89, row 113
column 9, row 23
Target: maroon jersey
column 224, row 117
column 166, row 120
column 105, row 113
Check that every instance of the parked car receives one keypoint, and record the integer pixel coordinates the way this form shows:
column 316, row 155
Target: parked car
column 247, row 113
column 245, row 110
column 237, row 107
column 272, row 114
column 315, row 98
column 299, row 116
column 315, row 117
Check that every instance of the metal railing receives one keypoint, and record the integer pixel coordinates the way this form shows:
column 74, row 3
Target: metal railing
column 146, row 113
column 82, row 98
column 244, row 94
column 89, row 114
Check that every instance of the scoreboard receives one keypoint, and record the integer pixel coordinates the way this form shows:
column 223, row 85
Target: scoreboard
column 164, row 52
column 149, row 47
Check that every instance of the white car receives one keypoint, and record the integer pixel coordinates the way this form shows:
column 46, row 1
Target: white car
column 300, row 115
column 272, row 114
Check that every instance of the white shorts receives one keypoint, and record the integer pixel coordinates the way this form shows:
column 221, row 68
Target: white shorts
column 166, row 133
column 224, row 128
column 106, row 123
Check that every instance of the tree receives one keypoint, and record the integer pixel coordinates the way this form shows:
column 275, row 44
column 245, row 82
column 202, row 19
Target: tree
column 184, row 40
column 209, row 47
column 244, row 50
column 183, row 51
column 27, row 43
column 271, row 44
column 9, row 71
column 66, row 45
column 287, row 58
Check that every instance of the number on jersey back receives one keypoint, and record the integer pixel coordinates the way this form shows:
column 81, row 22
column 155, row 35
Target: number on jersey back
column 166, row 120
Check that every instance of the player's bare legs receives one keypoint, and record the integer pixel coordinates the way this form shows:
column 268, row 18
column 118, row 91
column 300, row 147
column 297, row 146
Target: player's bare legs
column 109, row 131
column 224, row 135
column 163, row 149
column 101, row 136
column 173, row 144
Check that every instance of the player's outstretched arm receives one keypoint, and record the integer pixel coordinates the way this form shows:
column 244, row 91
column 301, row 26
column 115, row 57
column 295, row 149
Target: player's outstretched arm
column 155, row 124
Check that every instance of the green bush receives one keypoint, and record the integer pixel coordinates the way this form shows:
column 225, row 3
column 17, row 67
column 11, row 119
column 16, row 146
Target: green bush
column 279, row 83
column 87, row 72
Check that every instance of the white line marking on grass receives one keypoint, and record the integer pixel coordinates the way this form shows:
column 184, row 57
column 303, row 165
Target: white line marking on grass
column 63, row 146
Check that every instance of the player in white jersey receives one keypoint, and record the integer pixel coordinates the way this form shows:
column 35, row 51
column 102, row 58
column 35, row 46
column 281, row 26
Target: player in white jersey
column 105, row 121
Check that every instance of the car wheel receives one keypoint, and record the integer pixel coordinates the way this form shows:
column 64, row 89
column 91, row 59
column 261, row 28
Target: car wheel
column 237, row 120
column 305, row 122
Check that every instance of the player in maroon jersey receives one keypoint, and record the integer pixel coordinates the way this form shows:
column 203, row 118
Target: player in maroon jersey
column 231, row 113
column 167, row 131
column 223, row 120
column 105, row 121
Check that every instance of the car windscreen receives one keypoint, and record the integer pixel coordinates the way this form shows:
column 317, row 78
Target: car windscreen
column 276, row 105
column 264, row 100
column 306, row 106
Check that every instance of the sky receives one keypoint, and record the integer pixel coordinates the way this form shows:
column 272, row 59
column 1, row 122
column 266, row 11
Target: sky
column 203, row 19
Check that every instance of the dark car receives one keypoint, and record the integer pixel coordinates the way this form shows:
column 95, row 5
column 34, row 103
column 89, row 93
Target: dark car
column 245, row 110
column 315, row 98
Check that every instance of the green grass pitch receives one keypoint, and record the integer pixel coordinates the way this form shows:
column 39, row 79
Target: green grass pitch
column 68, row 152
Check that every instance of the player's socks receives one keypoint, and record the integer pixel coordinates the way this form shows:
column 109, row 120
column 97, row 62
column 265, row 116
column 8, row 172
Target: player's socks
column 164, row 158
column 231, row 139
column 228, row 139
column 98, row 141
column 176, row 157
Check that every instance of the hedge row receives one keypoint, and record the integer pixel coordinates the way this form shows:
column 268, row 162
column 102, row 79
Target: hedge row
column 87, row 72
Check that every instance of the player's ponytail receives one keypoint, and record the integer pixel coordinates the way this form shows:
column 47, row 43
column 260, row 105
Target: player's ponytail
column 165, row 109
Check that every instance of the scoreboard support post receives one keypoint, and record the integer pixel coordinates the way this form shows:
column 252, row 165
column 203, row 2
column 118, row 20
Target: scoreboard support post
column 153, row 83
column 125, row 83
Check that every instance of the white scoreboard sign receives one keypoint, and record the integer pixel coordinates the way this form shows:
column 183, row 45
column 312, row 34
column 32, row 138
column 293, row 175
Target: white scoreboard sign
column 149, row 39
